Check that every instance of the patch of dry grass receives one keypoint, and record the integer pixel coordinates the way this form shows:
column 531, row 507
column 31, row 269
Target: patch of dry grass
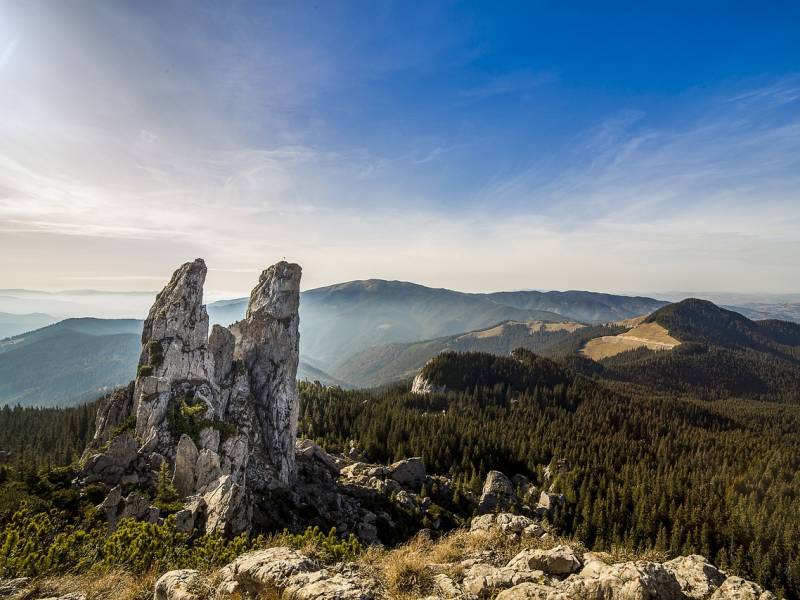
column 106, row 585
column 648, row 335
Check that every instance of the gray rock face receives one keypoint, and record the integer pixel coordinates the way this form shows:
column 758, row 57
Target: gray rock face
column 409, row 472
column 110, row 414
column 295, row 575
column 498, row 493
column 422, row 386
column 560, row 560
column 177, row 585
column 221, row 343
column 270, row 348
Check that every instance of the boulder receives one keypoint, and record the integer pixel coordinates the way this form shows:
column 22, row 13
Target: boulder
column 223, row 506
column 176, row 585
column 308, row 450
column 639, row 580
column 548, row 502
column 264, row 570
column 505, row 523
column 560, row 560
column 109, row 466
column 736, row 588
column 326, row 585
column 531, row 591
column 409, row 472
column 192, row 513
column 697, row 577
column 497, row 494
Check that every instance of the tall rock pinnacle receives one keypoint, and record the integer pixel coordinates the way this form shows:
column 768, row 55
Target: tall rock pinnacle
column 219, row 412
column 174, row 345
column 269, row 347
column 178, row 323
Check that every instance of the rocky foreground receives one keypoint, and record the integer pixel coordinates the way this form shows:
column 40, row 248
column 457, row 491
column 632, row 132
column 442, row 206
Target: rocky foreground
column 500, row 557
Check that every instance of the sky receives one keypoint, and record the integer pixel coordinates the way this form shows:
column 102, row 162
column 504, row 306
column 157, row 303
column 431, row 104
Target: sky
column 622, row 147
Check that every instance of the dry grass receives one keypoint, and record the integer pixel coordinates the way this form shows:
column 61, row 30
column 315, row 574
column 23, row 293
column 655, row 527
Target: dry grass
column 107, row 585
column 649, row 335
column 407, row 572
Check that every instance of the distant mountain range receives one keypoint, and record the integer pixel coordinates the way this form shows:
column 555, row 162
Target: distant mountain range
column 13, row 324
column 360, row 333
column 72, row 361
column 720, row 355
column 341, row 320
column 396, row 362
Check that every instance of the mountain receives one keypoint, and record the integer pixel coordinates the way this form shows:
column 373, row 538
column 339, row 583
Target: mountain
column 785, row 311
column 522, row 371
column 394, row 362
column 340, row 320
column 586, row 307
column 86, row 326
column 76, row 303
column 13, row 324
column 67, row 368
column 720, row 354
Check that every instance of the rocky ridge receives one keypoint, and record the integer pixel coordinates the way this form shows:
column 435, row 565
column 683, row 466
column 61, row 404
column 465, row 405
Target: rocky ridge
column 552, row 571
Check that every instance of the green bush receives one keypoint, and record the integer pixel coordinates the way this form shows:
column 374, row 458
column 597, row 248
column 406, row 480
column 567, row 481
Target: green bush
column 327, row 549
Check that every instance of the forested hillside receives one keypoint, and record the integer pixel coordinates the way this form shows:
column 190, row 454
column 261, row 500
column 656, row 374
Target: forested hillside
column 645, row 470
column 722, row 355
column 389, row 363
column 648, row 471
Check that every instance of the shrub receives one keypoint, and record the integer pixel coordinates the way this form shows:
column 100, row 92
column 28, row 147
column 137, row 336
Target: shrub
column 327, row 548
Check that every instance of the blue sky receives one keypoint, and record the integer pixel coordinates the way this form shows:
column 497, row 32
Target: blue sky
column 479, row 146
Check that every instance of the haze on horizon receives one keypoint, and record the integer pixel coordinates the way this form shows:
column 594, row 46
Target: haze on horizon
column 469, row 146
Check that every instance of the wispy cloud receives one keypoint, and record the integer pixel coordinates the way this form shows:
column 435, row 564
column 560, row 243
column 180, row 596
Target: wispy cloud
column 507, row 83
column 142, row 147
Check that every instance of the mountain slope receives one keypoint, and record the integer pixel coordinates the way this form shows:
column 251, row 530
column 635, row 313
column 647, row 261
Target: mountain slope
column 342, row 319
column 345, row 319
column 88, row 326
column 587, row 307
column 13, row 324
column 392, row 362
column 721, row 354
column 67, row 368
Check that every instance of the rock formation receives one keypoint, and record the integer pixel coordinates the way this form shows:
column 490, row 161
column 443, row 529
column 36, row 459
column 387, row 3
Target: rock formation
column 220, row 412
column 545, row 571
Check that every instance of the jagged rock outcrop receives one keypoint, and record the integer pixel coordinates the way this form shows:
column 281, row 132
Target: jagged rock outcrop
column 497, row 494
column 421, row 385
column 219, row 411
